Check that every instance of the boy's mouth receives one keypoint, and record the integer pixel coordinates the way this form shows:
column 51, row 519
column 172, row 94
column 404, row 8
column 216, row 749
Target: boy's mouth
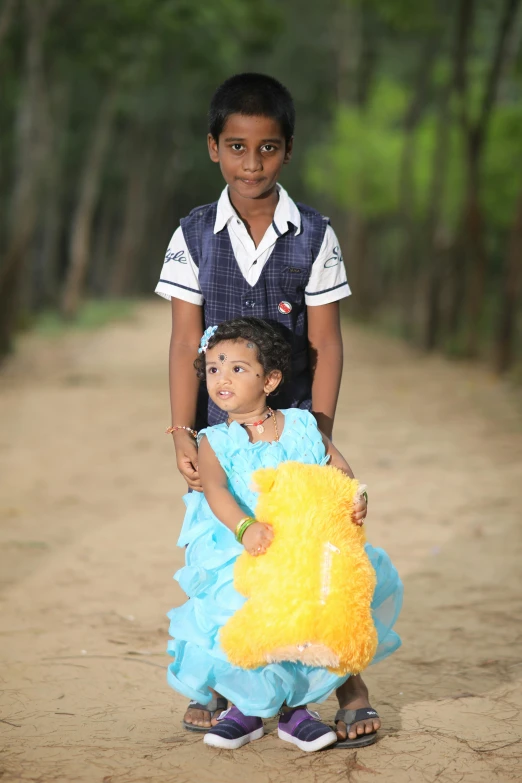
column 250, row 182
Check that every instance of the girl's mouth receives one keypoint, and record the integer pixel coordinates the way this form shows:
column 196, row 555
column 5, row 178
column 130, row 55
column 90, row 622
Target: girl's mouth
column 225, row 395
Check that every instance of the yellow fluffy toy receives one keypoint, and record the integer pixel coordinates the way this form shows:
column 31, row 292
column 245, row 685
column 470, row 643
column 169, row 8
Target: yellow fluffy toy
column 309, row 596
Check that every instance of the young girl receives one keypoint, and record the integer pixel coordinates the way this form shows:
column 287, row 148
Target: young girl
column 244, row 361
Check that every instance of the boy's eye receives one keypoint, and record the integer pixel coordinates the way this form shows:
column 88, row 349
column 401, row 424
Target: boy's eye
column 268, row 147
column 237, row 147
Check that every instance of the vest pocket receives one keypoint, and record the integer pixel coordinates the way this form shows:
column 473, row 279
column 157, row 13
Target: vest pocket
column 293, row 281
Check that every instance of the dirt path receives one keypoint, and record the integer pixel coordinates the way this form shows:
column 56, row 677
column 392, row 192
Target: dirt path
column 90, row 510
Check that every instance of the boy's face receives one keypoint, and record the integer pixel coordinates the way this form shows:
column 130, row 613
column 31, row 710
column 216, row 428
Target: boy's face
column 251, row 152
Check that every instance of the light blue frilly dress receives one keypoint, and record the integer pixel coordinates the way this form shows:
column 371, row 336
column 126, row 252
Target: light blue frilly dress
column 207, row 578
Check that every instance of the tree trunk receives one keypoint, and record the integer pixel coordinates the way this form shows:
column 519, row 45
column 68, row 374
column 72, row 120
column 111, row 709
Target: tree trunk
column 511, row 285
column 409, row 244
column 357, row 253
column 125, row 262
column 80, row 243
column 435, row 231
column 409, row 248
column 32, row 121
column 6, row 17
column 52, row 215
column 347, row 35
column 476, row 137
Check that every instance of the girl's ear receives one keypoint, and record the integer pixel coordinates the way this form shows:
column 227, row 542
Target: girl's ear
column 263, row 480
column 272, row 381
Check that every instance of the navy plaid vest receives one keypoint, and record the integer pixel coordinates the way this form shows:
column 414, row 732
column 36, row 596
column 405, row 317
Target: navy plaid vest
column 277, row 297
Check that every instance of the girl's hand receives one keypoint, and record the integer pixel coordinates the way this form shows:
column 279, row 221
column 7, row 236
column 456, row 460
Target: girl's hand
column 187, row 459
column 360, row 510
column 258, row 538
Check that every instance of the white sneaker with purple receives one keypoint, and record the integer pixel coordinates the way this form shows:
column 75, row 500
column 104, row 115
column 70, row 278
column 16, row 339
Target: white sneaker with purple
column 303, row 727
column 234, row 729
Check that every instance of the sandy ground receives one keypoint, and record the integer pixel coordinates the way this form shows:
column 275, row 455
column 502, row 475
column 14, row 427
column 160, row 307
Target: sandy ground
column 90, row 511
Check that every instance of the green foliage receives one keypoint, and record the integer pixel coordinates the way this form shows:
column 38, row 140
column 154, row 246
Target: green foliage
column 502, row 172
column 454, row 171
column 93, row 314
column 358, row 167
column 164, row 58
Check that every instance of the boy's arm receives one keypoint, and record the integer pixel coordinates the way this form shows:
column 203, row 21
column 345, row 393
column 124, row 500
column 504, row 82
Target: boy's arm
column 337, row 460
column 258, row 536
column 326, row 362
column 187, row 328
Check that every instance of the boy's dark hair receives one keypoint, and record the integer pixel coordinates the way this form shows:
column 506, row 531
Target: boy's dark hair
column 273, row 352
column 254, row 95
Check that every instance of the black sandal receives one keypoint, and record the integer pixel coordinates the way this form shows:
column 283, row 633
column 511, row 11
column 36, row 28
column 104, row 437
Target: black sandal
column 354, row 716
column 218, row 704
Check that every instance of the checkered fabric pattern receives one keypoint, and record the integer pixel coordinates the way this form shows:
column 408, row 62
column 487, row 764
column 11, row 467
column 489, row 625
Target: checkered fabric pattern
column 282, row 282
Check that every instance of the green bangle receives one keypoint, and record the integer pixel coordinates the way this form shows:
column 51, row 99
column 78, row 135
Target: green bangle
column 242, row 527
column 365, row 496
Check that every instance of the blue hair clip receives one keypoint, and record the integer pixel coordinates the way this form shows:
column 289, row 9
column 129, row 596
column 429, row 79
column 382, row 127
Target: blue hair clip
column 207, row 334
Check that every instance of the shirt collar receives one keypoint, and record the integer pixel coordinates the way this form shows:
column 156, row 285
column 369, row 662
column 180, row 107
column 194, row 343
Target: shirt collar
column 286, row 213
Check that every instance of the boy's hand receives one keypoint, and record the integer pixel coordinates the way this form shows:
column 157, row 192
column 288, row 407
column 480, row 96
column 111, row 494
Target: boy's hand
column 257, row 538
column 187, row 459
column 360, row 509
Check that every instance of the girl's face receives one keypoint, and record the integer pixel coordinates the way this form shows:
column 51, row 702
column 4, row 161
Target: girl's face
column 236, row 381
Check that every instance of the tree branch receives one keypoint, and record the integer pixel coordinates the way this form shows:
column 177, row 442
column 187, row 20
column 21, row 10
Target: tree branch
column 506, row 23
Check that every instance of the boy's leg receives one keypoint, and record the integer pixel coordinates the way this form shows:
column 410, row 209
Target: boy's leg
column 352, row 695
column 201, row 716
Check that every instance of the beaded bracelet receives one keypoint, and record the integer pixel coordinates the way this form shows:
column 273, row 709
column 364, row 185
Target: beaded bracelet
column 172, row 429
column 242, row 526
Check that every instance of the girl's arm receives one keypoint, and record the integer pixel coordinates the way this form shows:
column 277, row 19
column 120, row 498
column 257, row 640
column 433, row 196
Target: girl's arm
column 337, row 460
column 258, row 536
column 187, row 328
column 326, row 362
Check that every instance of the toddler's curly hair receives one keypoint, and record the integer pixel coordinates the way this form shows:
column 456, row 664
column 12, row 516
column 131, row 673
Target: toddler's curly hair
column 273, row 352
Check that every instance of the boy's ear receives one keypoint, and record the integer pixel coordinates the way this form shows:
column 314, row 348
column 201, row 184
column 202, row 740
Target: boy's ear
column 289, row 150
column 213, row 150
column 263, row 480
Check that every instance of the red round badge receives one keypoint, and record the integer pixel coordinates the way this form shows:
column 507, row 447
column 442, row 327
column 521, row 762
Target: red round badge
column 284, row 307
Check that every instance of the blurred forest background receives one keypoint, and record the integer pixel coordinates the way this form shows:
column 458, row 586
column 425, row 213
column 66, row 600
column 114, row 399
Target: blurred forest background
column 409, row 136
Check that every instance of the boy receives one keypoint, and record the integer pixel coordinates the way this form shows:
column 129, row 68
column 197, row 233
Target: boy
column 255, row 252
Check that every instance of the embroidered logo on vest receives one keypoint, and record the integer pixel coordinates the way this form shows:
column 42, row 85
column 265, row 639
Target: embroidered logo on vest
column 284, row 307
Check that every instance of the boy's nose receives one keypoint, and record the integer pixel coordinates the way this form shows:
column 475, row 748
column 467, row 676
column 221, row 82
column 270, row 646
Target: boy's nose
column 252, row 161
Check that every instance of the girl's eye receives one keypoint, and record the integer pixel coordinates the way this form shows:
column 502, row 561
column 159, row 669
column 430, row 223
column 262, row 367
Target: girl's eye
column 238, row 369
column 212, row 370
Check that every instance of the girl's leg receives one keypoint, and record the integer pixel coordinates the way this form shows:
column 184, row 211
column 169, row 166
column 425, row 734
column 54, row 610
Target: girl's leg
column 304, row 728
column 233, row 730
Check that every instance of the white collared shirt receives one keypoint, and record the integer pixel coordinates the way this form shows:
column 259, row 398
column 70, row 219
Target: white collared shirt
column 327, row 282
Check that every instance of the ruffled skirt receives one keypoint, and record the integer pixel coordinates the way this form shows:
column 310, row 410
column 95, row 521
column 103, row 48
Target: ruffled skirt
column 200, row 663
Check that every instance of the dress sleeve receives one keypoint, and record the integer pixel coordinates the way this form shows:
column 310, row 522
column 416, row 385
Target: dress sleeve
column 179, row 274
column 306, row 437
column 327, row 282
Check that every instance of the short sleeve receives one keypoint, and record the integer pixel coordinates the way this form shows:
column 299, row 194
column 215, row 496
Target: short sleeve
column 179, row 274
column 327, row 282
